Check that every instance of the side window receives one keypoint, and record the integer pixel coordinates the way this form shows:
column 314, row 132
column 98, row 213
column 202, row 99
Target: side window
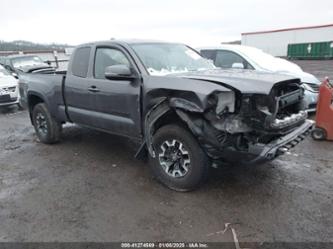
column 209, row 54
column 225, row 59
column 106, row 57
column 81, row 62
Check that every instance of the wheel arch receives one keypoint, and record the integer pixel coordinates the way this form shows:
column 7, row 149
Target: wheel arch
column 162, row 113
column 34, row 98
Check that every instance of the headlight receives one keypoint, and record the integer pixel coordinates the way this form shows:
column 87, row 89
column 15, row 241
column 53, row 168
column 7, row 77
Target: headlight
column 307, row 87
column 311, row 87
column 222, row 102
column 225, row 102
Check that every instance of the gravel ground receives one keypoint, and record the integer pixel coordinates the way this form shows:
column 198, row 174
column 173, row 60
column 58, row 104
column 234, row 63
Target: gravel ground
column 90, row 188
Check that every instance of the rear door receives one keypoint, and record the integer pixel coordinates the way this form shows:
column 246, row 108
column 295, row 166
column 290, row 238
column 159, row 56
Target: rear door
column 116, row 103
column 79, row 105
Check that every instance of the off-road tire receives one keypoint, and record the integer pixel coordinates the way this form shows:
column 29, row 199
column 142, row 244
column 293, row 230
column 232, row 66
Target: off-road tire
column 199, row 163
column 52, row 129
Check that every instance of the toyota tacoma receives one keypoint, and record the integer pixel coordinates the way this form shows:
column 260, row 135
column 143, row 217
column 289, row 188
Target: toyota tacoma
column 187, row 114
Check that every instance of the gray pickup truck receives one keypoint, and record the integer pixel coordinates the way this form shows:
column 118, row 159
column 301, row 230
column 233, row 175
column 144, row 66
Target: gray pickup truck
column 187, row 114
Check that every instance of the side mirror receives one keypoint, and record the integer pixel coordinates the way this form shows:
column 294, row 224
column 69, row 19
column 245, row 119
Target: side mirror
column 48, row 62
column 15, row 75
column 118, row 72
column 238, row 65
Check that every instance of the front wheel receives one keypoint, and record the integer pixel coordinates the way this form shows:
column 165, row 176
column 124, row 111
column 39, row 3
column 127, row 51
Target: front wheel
column 47, row 128
column 179, row 162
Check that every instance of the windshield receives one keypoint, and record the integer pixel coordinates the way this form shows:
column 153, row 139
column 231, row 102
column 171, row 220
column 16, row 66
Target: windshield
column 3, row 71
column 163, row 58
column 26, row 61
column 259, row 55
column 270, row 62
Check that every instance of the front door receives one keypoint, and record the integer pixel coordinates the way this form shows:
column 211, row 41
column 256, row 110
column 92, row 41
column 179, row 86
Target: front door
column 116, row 103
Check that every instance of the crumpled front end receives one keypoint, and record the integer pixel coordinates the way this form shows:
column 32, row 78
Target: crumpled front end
column 248, row 128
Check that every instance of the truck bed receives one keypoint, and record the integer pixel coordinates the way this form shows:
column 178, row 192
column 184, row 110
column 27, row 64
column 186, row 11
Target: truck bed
column 49, row 85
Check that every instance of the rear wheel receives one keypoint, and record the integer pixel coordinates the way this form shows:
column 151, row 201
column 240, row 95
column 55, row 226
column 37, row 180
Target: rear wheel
column 318, row 134
column 180, row 163
column 47, row 128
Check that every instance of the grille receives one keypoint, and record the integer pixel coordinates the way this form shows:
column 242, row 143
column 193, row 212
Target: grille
column 5, row 98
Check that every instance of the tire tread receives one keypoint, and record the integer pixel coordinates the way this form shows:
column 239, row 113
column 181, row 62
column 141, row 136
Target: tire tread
column 54, row 127
column 199, row 159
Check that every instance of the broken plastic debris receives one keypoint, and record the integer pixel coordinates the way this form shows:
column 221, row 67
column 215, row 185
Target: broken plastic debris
column 226, row 226
column 234, row 234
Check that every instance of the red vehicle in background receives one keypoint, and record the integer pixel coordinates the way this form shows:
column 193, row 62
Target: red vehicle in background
column 324, row 115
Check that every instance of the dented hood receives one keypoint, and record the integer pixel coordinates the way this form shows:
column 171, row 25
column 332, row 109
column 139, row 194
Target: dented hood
column 245, row 81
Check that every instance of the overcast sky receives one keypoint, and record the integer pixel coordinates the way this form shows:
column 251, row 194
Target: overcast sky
column 197, row 23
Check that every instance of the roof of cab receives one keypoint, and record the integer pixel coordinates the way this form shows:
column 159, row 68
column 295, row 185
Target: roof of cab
column 125, row 41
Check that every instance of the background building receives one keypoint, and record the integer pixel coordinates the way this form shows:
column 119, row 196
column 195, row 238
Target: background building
column 314, row 42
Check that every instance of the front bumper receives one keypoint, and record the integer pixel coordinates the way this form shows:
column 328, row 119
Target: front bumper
column 289, row 121
column 266, row 152
column 9, row 97
column 13, row 101
column 259, row 152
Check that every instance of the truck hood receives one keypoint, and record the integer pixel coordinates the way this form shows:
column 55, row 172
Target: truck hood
column 245, row 81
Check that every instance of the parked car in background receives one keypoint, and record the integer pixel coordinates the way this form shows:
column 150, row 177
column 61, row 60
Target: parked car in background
column 244, row 57
column 27, row 64
column 9, row 93
column 186, row 113
column 2, row 60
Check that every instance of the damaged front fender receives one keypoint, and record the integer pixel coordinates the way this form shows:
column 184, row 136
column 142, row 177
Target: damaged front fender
column 160, row 109
column 185, row 104
column 209, row 133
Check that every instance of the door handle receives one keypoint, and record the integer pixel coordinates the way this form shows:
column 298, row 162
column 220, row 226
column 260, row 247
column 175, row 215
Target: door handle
column 93, row 89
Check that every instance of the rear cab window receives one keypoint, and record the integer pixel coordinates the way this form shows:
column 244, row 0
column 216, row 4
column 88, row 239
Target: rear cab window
column 80, row 62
